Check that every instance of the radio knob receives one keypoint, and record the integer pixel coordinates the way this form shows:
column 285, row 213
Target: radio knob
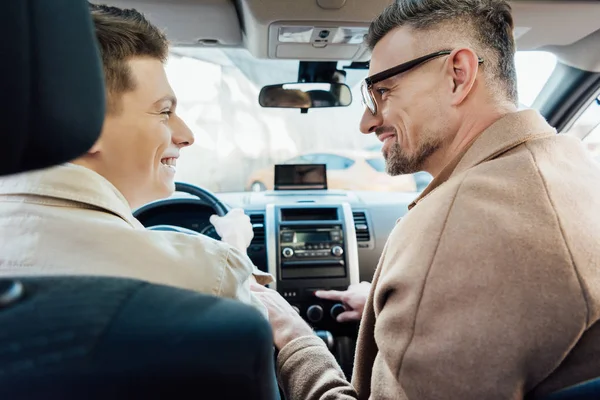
column 337, row 251
column 287, row 252
column 296, row 309
column 314, row 313
column 336, row 310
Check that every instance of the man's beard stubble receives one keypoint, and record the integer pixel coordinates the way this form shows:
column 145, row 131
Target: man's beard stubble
column 397, row 162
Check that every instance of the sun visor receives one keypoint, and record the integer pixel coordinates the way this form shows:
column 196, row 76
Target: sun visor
column 191, row 22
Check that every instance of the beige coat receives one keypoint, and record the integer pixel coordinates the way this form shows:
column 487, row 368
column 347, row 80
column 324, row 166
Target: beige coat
column 68, row 220
column 488, row 288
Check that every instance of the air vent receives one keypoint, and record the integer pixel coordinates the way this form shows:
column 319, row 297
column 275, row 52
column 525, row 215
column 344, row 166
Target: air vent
column 258, row 226
column 361, row 226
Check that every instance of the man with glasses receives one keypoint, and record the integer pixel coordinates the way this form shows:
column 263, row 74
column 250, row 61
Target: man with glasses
column 489, row 287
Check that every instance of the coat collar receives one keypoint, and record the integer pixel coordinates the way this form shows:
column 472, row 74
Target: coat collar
column 72, row 183
column 507, row 133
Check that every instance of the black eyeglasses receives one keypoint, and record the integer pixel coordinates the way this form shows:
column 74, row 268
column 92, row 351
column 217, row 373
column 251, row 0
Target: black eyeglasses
column 367, row 85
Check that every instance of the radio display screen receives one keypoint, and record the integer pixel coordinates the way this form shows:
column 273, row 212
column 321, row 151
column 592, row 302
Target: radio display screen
column 309, row 237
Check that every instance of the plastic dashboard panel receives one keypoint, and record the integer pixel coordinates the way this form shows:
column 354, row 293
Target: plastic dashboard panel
column 382, row 210
column 272, row 223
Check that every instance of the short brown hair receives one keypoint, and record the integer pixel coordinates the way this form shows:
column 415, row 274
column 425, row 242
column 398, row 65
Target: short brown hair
column 490, row 22
column 122, row 35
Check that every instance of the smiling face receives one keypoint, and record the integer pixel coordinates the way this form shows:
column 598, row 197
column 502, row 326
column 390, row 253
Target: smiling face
column 411, row 118
column 142, row 137
column 429, row 114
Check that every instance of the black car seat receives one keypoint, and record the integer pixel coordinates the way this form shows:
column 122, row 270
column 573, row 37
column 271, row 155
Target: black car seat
column 589, row 390
column 113, row 338
column 98, row 337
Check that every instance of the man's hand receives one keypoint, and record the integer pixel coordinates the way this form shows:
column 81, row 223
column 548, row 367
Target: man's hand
column 354, row 299
column 234, row 229
column 286, row 323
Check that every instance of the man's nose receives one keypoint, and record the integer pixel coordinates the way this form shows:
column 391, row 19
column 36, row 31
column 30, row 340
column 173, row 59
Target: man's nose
column 370, row 122
column 182, row 134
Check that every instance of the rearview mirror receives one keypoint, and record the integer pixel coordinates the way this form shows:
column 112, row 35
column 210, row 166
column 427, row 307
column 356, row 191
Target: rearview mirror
column 305, row 95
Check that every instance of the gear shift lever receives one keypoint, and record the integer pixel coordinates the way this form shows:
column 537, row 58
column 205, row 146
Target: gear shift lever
column 327, row 338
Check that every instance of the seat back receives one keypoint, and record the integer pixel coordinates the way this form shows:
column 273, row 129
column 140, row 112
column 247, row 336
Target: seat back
column 112, row 338
column 51, row 83
column 589, row 390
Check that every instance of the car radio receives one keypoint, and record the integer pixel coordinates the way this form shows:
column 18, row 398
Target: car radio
column 307, row 251
column 312, row 247
column 317, row 243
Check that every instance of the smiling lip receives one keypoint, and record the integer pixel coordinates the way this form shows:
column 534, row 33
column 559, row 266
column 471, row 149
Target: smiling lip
column 170, row 155
column 384, row 136
column 169, row 161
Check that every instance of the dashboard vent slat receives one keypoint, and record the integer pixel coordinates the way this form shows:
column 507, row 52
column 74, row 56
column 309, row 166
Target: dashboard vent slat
column 258, row 226
column 361, row 226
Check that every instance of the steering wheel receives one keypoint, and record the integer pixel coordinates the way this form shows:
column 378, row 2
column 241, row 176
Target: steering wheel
column 204, row 195
column 204, row 198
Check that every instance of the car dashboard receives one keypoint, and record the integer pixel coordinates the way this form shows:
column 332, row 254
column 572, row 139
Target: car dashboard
column 308, row 240
column 373, row 216
column 321, row 239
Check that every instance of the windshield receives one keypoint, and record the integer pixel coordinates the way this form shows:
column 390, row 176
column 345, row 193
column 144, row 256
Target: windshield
column 238, row 142
column 378, row 164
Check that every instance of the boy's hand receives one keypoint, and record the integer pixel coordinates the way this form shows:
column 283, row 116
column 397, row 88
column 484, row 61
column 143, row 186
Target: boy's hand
column 234, row 229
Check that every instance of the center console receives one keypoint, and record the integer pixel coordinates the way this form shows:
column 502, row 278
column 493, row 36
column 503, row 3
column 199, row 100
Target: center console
column 313, row 247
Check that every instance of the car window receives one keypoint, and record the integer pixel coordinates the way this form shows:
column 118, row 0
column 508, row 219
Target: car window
column 534, row 68
column 333, row 162
column 378, row 164
column 303, row 159
column 587, row 128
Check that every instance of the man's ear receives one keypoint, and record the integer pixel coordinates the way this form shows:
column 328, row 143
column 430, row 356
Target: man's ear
column 463, row 65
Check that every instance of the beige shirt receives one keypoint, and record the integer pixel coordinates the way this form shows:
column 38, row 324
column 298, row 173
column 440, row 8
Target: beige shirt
column 488, row 288
column 69, row 220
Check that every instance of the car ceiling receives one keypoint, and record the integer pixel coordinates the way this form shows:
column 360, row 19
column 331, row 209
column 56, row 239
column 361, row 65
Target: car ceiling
column 569, row 29
column 245, row 23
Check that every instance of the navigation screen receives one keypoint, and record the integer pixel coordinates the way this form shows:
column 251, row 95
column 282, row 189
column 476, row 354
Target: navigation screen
column 300, row 177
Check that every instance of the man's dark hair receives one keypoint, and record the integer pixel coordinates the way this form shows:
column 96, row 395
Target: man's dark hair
column 124, row 34
column 489, row 21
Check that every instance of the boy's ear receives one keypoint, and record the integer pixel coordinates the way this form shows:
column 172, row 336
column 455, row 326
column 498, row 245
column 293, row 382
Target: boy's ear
column 95, row 149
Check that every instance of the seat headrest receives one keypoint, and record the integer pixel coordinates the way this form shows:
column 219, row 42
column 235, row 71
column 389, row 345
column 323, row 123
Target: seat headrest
column 51, row 85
